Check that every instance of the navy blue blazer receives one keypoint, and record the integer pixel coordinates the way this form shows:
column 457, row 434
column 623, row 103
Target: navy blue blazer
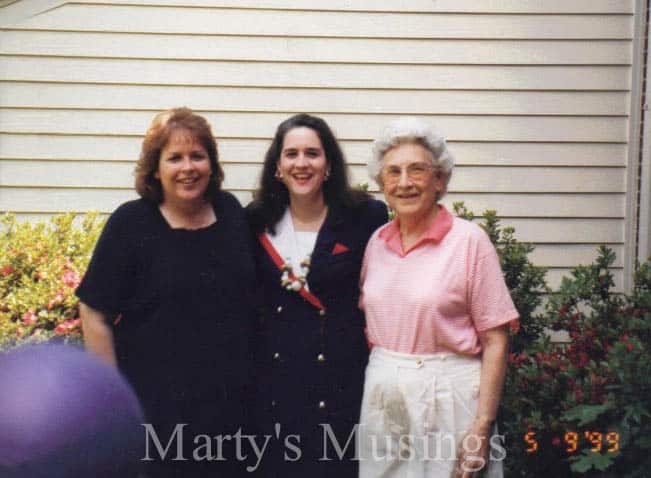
column 311, row 356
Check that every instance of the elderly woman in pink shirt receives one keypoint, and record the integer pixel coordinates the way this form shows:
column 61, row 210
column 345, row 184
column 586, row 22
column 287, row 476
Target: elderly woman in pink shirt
column 437, row 310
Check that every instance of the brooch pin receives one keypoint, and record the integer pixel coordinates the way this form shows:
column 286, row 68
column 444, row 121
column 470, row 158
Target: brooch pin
column 291, row 281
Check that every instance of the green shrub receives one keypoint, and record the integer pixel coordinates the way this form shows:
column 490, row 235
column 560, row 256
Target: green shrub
column 582, row 408
column 598, row 386
column 40, row 266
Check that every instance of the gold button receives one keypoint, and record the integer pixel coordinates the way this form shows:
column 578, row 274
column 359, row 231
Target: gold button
column 322, row 404
column 322, row 312
column 419, row 362
column 276, row 356
column 321, row 358
column 279, row 309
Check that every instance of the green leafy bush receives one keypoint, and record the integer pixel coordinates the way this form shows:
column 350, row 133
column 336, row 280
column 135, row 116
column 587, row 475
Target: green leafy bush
column 581, row 408
column 596, row 390
column 40, row 266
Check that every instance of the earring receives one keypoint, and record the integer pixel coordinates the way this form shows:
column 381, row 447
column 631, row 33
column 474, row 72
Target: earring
column 326, row 176
column 278, row 175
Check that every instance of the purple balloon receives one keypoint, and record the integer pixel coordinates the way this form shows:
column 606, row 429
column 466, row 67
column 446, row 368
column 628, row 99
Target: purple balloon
column 64, row 413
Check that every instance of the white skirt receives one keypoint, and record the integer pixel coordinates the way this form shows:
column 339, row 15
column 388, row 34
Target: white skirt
column 416, row 411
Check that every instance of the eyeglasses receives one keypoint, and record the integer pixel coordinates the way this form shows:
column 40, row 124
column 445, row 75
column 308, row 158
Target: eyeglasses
column 415, row 172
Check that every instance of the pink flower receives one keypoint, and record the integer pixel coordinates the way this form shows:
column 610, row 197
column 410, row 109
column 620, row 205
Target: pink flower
column 56, row 300
column 67, row 326
column 7, row 270
column 71, row 278
column 29, row 318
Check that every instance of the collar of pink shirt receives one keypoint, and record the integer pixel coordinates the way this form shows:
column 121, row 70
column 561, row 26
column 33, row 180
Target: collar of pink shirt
column 435, row 233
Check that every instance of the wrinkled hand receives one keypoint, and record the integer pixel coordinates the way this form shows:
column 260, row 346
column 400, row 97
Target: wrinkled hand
column 472, row 454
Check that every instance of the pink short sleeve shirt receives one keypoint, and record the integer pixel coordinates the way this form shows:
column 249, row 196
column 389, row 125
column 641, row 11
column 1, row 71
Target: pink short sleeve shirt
column 437, row 295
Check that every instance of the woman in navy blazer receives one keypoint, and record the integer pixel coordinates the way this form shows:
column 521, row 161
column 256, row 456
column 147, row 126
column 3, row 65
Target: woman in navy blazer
column 311, row 230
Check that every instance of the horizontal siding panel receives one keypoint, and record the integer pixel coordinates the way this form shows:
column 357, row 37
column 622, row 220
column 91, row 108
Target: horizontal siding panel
column 485, row 179
column 51, row 95
column 43, row 201
column 252, row 125
column 570, row 154
column 568, row 230
column 570, row 255
column 334, row 50
column 265, row 74
column 98, row 148
column 51, row 200
column 215, row 21
column 127, row 148
column 543, row 205
column 465, row 6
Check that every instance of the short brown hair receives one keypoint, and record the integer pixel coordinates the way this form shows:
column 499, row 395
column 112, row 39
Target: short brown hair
column 156, row 138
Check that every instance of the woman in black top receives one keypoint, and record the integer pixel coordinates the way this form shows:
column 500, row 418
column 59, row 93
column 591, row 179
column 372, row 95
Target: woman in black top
column 311, row 229
column 168, row 297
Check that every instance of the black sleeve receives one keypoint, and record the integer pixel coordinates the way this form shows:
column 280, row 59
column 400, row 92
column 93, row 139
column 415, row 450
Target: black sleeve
column 109, row 279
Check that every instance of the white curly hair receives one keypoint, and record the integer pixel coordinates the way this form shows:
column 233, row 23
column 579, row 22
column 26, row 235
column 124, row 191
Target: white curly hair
column 409, row 129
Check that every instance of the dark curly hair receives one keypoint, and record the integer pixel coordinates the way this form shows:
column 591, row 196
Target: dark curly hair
column 272, row 197
column 156, row 138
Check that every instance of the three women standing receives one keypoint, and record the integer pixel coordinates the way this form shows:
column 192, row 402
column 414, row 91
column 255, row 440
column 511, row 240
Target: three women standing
column 312, row 229
column 170, row 290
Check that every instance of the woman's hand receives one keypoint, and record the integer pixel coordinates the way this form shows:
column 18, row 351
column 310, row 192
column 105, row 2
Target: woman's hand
column 472, row 454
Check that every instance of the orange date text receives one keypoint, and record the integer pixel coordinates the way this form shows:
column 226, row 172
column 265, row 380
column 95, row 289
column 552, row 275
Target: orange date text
column 573, row 440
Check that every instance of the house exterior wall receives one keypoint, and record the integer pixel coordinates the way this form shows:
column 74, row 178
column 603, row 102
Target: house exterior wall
column 534, row 98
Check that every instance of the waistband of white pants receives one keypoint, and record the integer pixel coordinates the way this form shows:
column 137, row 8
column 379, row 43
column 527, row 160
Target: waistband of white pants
column 419, row 360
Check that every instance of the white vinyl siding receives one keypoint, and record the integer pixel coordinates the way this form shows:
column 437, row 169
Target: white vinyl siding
column 534, row 98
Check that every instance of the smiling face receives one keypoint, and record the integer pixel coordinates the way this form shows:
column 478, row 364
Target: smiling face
column 302, row 165
column 409, row 181
column 183, row 168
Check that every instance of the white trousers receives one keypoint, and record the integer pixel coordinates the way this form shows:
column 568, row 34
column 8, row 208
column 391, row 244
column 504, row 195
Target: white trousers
column 416, row 411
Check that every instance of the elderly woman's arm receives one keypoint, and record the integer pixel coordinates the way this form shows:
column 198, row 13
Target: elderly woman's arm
column 98, row 335
column 495, row 343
